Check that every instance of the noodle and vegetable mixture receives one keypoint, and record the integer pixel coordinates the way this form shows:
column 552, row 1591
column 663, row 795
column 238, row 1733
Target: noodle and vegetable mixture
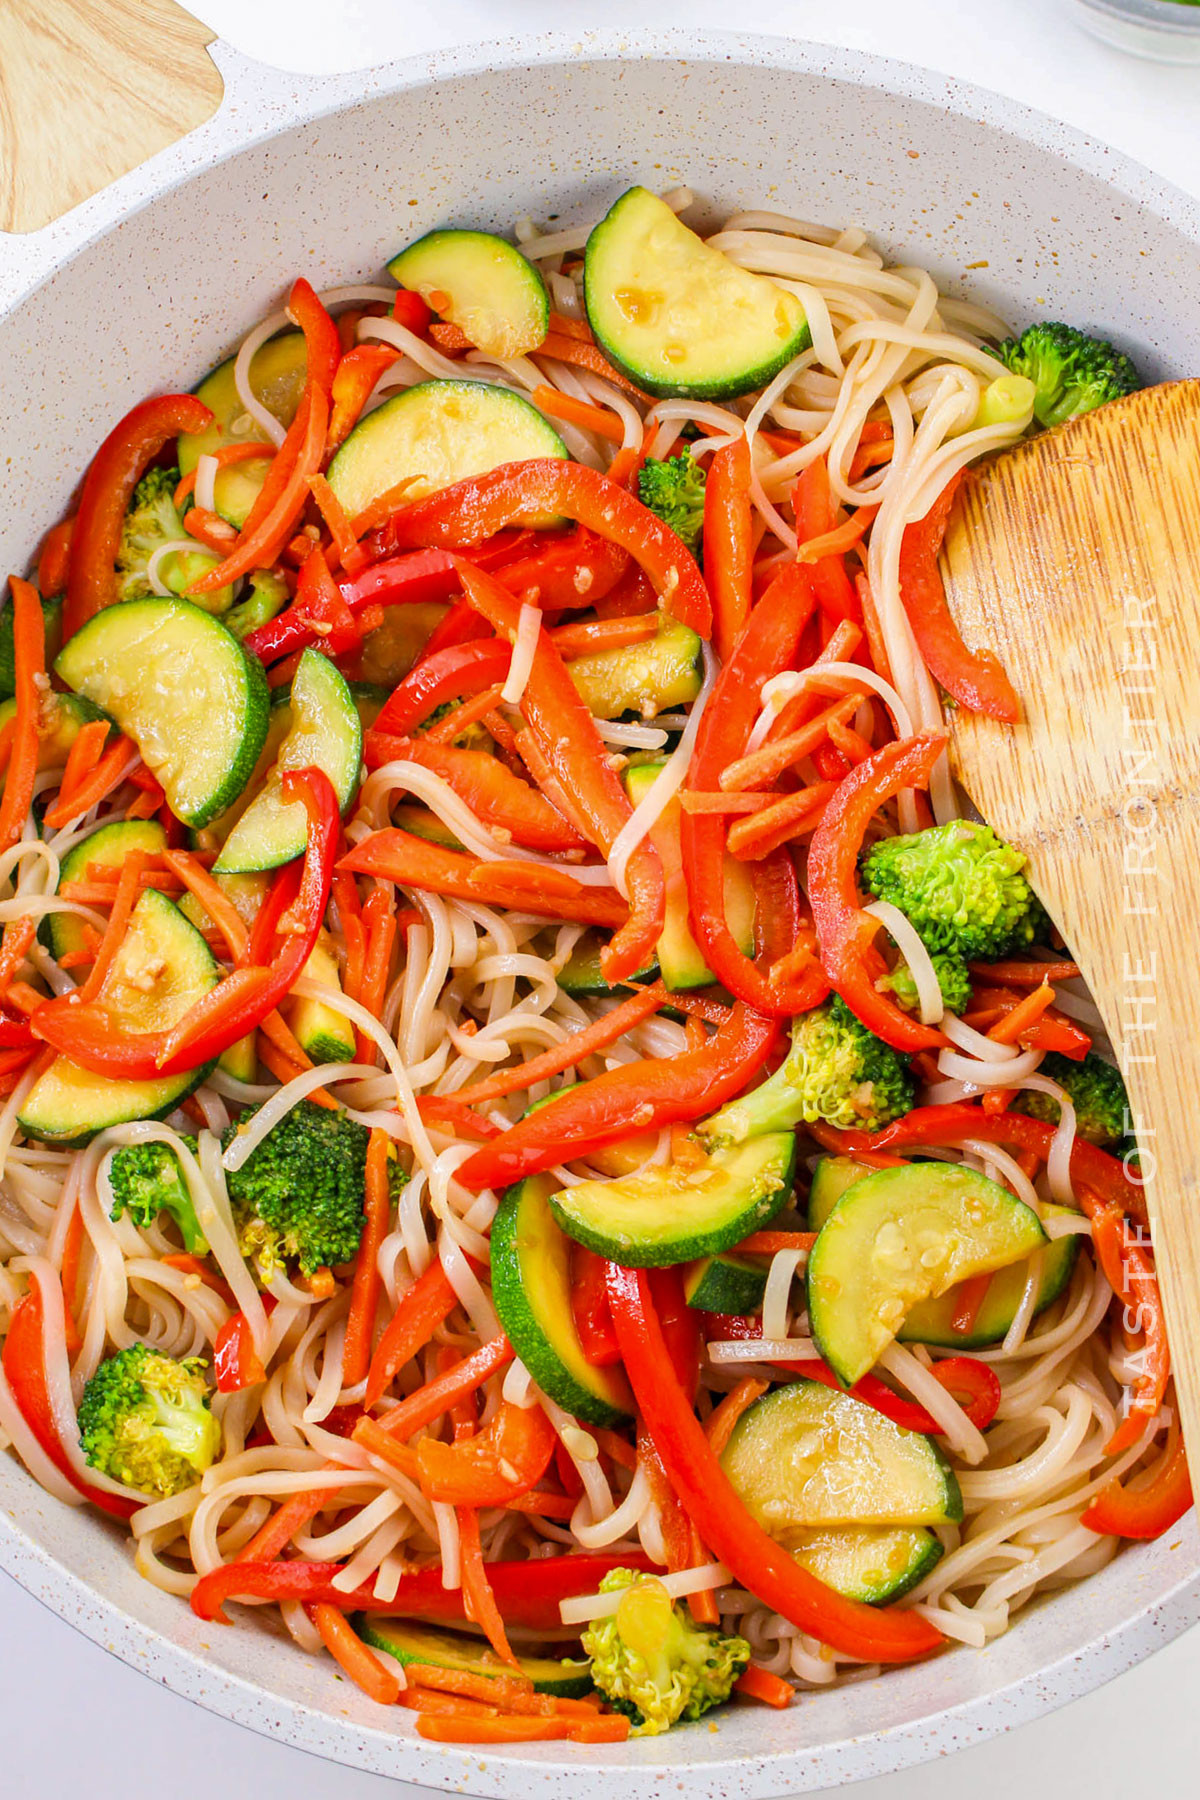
column 538, row 1143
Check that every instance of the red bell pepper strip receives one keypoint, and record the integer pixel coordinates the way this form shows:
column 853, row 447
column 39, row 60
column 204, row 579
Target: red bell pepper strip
column 729, row 543
column 1090, row 1166
column 680, row 1325
column 452, row 673
column 117, row 467
column 1129, row 1266
column 320, row 606
column 494, row 1466
column 1121, row 1510
column 321, row 341
column 356, row 375
column 589, row 1308
column 725, row 1525
column 475, row 509
column 88, row 1034
column 816, row 516
column 29, row 654
column 236, row 1363
column 640, row 1096
column 409, row 310
column 845, row 933
column 419, row 1311
column 282, row 497
column 395, row 855
column 972, row 677
column 494, row 794
column 402, row 581
column 24, row 1361
column 560, row 720
column 573, row 568
column 767, row 644
column 54, row 558
column 528, row 1591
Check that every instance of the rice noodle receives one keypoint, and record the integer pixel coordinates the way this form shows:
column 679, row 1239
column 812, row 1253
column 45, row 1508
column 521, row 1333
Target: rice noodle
column 475, row 988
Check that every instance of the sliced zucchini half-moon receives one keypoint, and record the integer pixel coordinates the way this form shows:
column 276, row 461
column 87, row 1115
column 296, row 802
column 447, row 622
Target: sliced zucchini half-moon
column 437, row 433
column 677, row 316
column 482, row 284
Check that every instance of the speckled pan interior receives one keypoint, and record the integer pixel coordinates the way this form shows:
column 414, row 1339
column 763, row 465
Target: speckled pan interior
column 147, row 285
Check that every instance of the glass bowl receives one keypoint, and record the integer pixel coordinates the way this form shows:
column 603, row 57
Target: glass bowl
column 1163, row 30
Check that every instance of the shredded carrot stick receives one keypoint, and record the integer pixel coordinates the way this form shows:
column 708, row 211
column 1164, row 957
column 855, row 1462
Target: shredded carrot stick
column 143, row 806
column 69, row 1276
column 1024, row 1014
column 767, row 1243
column 603, row 634
column 853, row 746
column 334, row 515
column 355, row 1658
column 380, row 924
column 437, row 1396
column 592, row 1038
column 212, row 897
column 971, row 1295
column 873, row 628
column 597, row 419
column 477, row 1589
column 590, row 357
column 694, row 800
column 761, row 767
column 25, row 999
column 470, row 712
column 755, row 837
column 615, row 1446
column 367, row 1284
column 114, row 767
column 291, row 1517
column 719, row 1426
column 83, row 756
column 542, row 1506
column 54, row 559
column 760, row 1684
column 30, row 681
column 281, row 1050
column 370, row 1436
column 15, row 946
column 124, row 899
column 447, row 1113
column 458, row 1726
column 579, row 329
column 450, row 339
column 1024, row 974
column 209, row 529
column 841, row 539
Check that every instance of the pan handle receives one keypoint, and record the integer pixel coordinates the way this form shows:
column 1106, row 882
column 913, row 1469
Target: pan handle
column 106, row 103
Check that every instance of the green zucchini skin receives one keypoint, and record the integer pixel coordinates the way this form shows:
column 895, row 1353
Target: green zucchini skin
column 671, row 1215
column 110, row 846
column 201, row 723
column 68, row 1104
column 277, row 373
column 807, row 1457
column 531, row 1289
column 932, row 1321
column 677, row 316
column 725, row 1284
column 410, row 1642
column 902, row 1236
column 438, row 432
column 482, row 284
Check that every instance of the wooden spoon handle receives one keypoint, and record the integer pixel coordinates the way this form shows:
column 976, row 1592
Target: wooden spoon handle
column 88, row 90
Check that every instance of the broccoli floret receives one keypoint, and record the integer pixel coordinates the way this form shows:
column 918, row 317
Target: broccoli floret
column 268, row 595
column 1072, row 373
column 1094, row 1088
column 960, row 886
column 652, row 1663
column 144, row 1420
column 674, row 491
column 152, row 521
column 146, row 1180
column 836, row 1070
column 954, row 979
column 299, row 1196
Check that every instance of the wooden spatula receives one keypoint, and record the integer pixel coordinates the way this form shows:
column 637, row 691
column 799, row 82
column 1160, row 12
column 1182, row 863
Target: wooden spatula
column 1076, row 558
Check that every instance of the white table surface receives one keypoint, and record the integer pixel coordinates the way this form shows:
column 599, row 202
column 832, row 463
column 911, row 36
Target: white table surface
column 74, row 1720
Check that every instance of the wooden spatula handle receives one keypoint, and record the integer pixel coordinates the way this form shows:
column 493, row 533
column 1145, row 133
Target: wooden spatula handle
column 88, row 90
